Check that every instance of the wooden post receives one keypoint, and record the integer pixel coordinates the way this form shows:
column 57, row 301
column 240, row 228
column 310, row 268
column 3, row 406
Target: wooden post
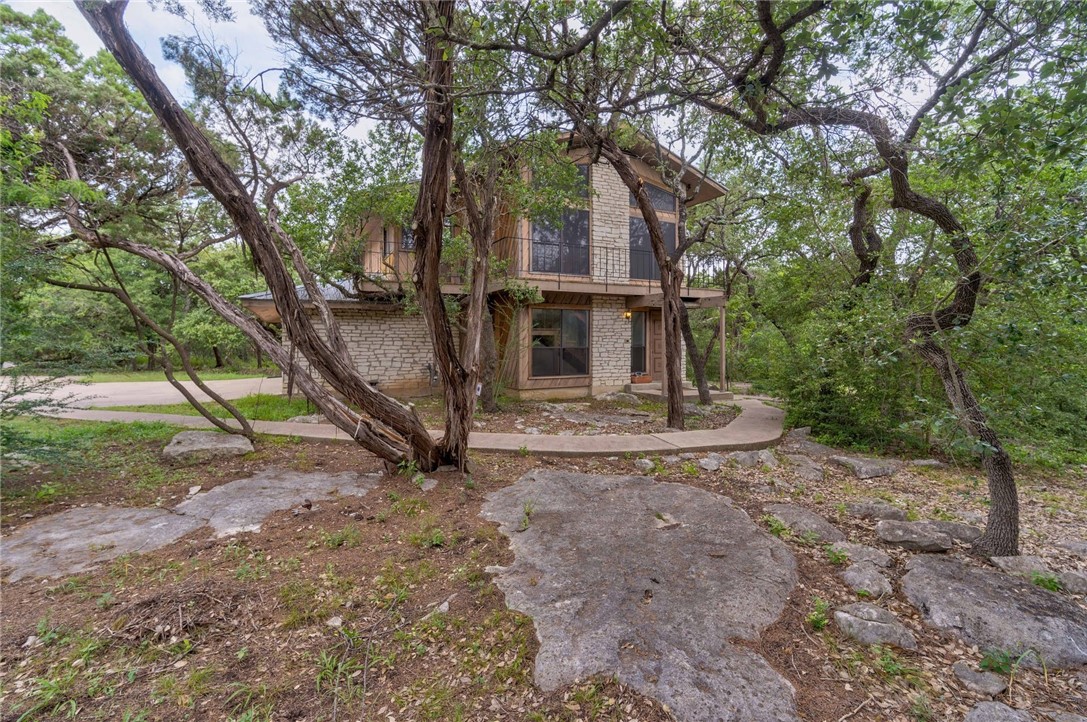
column 722, row 384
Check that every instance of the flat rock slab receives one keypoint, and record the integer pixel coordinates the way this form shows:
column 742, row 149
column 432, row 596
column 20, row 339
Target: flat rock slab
column 805, row 468
column 965, row 533
column 913, row 535
column 78, row 539
column 867, row 468
column 241, row 506
column 860, row 553
column 996, row 712
column 977, row 681
column 194, row 447
column 869, row 624
column 805, row 523
column 760, row 458
column 997, row 611
column 1025, row 565
column 649, row 582
column 1076, row 547
column 812, row 449
column 866, row 577
column 875, row 509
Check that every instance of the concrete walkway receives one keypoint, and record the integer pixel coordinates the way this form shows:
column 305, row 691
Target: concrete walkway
column 757, row 427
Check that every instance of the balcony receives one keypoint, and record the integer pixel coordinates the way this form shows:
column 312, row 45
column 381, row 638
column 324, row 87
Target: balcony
column 601, row 269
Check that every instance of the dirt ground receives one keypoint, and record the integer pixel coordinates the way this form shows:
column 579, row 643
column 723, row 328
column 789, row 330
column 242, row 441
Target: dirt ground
column 381, row 607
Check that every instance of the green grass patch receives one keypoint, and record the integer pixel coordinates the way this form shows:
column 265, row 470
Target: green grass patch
column 257, row 407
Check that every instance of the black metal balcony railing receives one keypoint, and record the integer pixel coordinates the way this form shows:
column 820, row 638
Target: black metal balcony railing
column 608, row 266
column 603, row 265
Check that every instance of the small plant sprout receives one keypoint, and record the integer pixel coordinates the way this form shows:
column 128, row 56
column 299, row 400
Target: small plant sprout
column 776, row 526
column 523, row 450
column 407, row 468
column 817, row 619
column 836, row 556
column 1045, row 580
column 527, row 508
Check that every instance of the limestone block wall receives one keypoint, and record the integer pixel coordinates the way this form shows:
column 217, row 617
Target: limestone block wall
column 388, row 346
column 610, row 241
column 610, row 342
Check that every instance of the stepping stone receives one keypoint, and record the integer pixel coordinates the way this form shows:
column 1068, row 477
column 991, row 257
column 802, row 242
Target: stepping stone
column 811, row 449
column 996, row 712
column 76, row 540
column 805, row 523
column 875, row 509
column 958, row 531
column 709, row 464
column 993, row 610
column 243, row 505
column 805, row 468
column 858, row 553
column 867, row 468
column 928, row 464
column 613, row 591
column 865, row 577
column 1024, row 566
column 762, row 457
column 913, row 536
column 620, row 397
column 644, row 465
column 979, row 682
column 194, row 447
column 869, row 624
column 1078, row 547
column 1058, row 716
column 1073, row 582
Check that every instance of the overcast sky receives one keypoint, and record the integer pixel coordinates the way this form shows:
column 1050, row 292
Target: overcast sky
column 246, row 35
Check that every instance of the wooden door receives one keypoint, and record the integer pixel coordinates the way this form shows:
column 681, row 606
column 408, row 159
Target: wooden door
column 654, row 328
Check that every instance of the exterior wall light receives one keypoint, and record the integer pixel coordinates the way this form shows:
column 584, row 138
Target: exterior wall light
column 627, row 315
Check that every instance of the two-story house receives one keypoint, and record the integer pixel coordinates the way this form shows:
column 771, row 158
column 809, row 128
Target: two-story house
column 599, row 325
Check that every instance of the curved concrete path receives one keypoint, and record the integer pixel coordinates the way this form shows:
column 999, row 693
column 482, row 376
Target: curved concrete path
column 757, row 427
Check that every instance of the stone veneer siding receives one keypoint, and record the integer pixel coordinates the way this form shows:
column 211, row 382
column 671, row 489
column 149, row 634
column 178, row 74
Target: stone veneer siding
column 388, row 346
column 609, row 344
column 610, row 226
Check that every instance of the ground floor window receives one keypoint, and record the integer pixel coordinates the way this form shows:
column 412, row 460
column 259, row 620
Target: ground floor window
column 637, row 342
column 560, row 342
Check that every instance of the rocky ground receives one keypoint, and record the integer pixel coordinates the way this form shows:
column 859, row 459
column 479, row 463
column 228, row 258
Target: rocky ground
column 461, row 597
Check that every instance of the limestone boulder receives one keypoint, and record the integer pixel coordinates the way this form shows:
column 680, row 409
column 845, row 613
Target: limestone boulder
column 866, row 578
column 1024, row 565
column 195, row 447
column 756, row 459
column 996, row 712
column 861, row 553
column 864, row 468
column 977, row 681
column 652, row 583
column 804, row 467
column 965, row 533
column 805, row 523
column 869, row 624
column 913, row 536
column 875, row 509
column 993, row 610
column 620, row 397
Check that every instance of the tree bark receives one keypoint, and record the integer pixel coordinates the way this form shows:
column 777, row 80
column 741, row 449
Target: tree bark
column 698, row 358
column 671, row 279
column 488, row 376
column 405, row 435
column 218, row 356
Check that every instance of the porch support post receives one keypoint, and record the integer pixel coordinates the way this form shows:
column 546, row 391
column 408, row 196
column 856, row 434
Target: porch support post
column 724, row 357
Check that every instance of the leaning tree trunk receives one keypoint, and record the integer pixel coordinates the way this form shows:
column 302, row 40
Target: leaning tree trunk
column 698, row 358
column 388, row 428
column 488, row 374
column 671, row 279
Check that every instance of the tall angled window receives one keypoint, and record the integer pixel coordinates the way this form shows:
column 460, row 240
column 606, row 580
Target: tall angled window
column 562, row 245
column 643, row 264
column 560, row 342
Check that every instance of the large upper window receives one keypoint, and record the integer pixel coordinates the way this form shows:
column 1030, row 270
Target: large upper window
column 660, row 199
column 643, row 264
column 560, row 342
column 562, row 246
column 407, row 239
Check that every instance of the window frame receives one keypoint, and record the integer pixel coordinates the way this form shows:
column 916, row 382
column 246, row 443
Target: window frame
column 561, row 246
column 557, row 332
column 662, row 216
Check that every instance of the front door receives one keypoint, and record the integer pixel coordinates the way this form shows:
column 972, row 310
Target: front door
column 654, row 330
column 638, row 343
